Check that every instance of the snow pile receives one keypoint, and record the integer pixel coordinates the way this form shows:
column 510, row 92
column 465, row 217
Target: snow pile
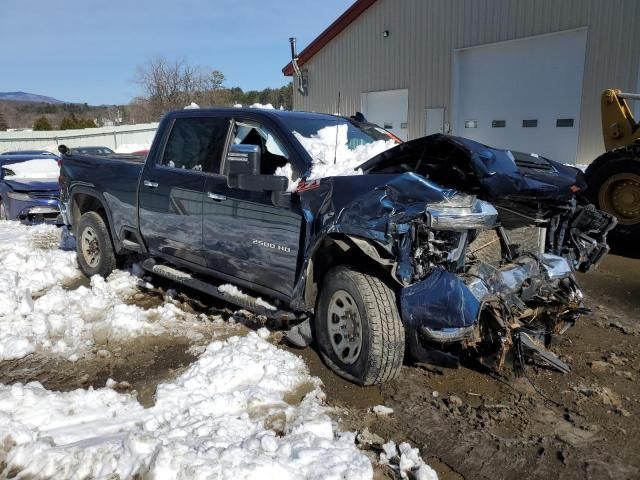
column 23, row 265
column 38, row 168
column 406, row 460
column 192, row 106
column 234, row 291
column 68, row 322
column 331, row 155
column 382, row 410
column 133, row 147
column 268, row 106
column 227, row 416
column 237, row 105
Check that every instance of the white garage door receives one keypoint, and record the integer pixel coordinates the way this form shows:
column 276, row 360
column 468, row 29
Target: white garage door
column 389, row 109
column 523, row 95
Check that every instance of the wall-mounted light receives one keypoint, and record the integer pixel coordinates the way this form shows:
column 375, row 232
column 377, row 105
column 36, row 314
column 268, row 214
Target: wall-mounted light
column 385, row 34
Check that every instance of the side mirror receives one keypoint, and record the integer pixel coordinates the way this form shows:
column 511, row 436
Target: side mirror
column 241, row 160
column 262, row 183
column 242, row 168
column 63, row 149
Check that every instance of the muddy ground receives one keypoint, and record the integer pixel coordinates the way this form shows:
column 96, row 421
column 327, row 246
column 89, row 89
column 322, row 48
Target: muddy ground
column 468, row 424
column 543, row 424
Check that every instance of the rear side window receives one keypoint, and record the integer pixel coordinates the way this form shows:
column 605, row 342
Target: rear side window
column 196, row 144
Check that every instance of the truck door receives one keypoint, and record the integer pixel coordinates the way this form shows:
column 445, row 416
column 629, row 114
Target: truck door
column 245, row 235
column 172, row 188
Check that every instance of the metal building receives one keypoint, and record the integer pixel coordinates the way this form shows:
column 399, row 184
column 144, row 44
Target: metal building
column 519, row 74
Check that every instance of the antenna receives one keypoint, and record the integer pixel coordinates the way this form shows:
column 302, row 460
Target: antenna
column 335, row 150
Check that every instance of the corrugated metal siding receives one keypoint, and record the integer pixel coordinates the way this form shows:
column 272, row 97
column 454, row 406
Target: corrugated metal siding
column 424, row 34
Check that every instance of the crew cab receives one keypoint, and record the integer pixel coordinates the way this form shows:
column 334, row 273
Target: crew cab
column 362, row 255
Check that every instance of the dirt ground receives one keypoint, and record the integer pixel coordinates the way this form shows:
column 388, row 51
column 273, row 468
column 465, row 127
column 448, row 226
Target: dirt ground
column 585, row 424
column 468, row 424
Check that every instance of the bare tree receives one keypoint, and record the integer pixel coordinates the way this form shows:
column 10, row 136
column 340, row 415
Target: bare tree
column 170, row 85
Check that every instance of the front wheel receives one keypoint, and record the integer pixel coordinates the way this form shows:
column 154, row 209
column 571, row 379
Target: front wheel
column 93, row 246
column 358, row 327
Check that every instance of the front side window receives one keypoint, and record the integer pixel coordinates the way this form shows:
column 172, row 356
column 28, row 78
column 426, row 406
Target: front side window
column 196, row 144
column 272, row 153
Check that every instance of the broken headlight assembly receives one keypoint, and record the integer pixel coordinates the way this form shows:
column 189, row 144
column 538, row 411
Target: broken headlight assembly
column 461, row 212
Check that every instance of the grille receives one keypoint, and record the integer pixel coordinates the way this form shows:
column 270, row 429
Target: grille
column 486, row 246
column 54, row 195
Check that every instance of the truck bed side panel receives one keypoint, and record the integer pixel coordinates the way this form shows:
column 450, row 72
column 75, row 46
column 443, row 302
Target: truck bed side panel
column 114, row 179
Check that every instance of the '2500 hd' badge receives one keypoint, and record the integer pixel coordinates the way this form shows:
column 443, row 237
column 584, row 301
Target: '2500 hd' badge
column 273, row 246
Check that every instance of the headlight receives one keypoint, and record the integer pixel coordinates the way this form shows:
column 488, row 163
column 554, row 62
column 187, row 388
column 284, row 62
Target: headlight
column 19, row 196
column 461, row 212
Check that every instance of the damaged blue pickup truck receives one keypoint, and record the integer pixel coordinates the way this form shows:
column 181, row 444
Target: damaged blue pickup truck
column 448, row 248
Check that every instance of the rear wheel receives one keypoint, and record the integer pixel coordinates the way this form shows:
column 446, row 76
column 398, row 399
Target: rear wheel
column 614, row 186
column 93, row 246
column 358, row 327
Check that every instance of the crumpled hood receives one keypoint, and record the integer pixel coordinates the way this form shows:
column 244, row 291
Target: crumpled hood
column 33, row 185
column 468, row 165
column 367, row 206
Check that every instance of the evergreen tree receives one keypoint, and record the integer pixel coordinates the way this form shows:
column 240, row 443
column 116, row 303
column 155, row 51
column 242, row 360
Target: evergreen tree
column 42, row 124
column 68, row 123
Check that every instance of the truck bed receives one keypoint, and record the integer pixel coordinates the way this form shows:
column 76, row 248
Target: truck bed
column 117, row 183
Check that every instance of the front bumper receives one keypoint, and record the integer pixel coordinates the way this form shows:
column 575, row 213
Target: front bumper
column 487, row 306
column 36, row 211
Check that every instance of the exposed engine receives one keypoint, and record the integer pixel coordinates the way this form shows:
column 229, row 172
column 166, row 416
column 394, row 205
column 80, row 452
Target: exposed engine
column 520, row 296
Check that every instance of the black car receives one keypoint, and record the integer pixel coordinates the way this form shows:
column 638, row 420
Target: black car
column 99, row 151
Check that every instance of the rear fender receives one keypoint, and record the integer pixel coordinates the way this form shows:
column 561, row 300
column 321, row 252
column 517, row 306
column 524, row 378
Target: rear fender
column 78, row 196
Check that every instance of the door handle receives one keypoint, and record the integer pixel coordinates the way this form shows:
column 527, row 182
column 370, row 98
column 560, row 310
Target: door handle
column 216, row 196
column 150, row 184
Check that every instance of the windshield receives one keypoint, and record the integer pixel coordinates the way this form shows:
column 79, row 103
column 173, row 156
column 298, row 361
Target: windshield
column 38, row 168
column 310, row 128
column 335, row 146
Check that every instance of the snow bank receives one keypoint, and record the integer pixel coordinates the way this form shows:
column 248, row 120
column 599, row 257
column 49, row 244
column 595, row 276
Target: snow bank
column 68, row 322
column 225, row 417
column 192, row 106
column 133, row 147
column 38, row 168
column 331, row 155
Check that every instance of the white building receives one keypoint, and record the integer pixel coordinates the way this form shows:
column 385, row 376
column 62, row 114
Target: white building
column 519, row 74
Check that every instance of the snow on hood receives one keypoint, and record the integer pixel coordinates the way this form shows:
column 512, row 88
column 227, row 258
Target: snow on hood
column 332, row 156
column 38, row 168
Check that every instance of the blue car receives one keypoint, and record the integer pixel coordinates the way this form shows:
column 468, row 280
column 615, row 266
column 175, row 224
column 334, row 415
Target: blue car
column 29, row 189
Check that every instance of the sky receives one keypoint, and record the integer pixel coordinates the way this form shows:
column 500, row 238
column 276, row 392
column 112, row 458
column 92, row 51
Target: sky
column 89, row 50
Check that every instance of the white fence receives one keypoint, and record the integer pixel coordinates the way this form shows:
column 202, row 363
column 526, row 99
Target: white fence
column 112, row 137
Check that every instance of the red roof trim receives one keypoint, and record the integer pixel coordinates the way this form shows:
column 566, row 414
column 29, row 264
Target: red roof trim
column 343, row 21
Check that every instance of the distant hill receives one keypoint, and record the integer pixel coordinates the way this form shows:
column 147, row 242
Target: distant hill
column 28, row 97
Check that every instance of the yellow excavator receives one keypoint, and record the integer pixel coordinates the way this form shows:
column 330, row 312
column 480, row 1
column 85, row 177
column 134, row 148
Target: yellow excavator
column 614, row 177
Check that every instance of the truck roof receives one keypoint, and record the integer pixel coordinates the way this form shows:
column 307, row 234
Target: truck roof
column 269, row 112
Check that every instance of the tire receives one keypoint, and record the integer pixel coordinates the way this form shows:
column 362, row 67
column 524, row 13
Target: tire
column 3, row 211
column 371, row 308
column 614, row 186
column 93, row 246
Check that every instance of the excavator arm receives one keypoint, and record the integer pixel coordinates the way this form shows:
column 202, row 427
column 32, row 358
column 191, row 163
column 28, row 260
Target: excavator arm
column 619, row 128
column 614, row 177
